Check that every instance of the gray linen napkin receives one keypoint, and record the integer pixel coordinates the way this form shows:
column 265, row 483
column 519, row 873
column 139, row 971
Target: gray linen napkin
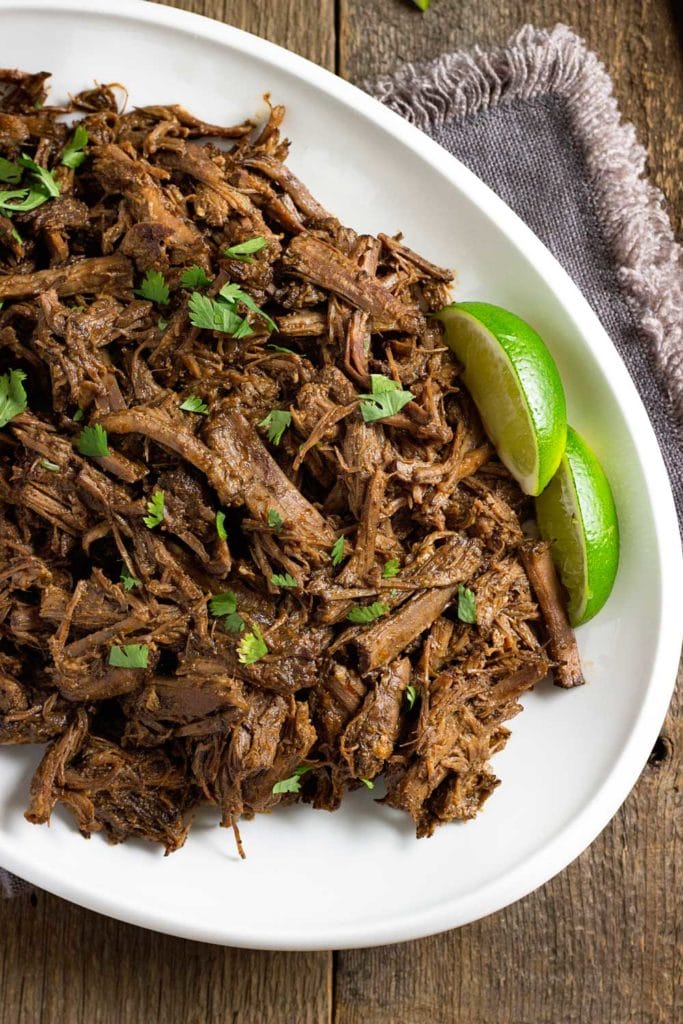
column 537, row 121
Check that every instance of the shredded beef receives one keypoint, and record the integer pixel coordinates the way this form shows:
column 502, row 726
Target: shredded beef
column 256, row 681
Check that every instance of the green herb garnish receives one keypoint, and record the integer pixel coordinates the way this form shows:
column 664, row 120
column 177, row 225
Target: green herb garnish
column 52, row 466
column 387, row 398
column 10, row 171
column 217, row 316
column 284, row 580
column 154, row 288
column 72, row 154
column 195, row 277
column 127, row 580
column 274, row 520
column 193, row 403
column 367, row 613
column 275, row 423
column 422, row 4
column 252, row 647
column 162, row 324
column 220, row 526
column 243, row 250
column 129, row 656
column 467, row 604
column 44, row 177
column 281, row 348
column 293, row 783
column 93, row 441
column 156, row 510
column 232, row 293
column 223, row 604
column 12, row 395
column 368, row 782
column 337, row 551
column 391, row 569
column 412, row 693
column 78, row 416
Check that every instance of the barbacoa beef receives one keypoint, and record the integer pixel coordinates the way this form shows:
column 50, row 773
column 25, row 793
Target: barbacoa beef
column 299, row 601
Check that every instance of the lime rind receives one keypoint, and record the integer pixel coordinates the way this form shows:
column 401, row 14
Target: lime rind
column 577, row 514
column 515, row 385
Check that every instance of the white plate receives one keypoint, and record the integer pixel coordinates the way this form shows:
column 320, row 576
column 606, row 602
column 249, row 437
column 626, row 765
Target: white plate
column 359, row 877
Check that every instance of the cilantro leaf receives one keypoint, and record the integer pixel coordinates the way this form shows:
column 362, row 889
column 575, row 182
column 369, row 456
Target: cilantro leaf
column 232, row 293
column 162, row 324
column 274, row 520
column 10, row 171
column 281, row 348
column 216, row 316
column 275, row 423
column 367, row 613
column 220, row 526
column 195, row 277
column 337, row 551
column 223, row 604
column 386, row 399
column 72, row 154
column 127, row 580
column 52, row 466
column 93, row 441
column 422, row 4
column 412, row 693
column 154, row 288
column 252, row 647
column 23, row 199
column 193, row 403
column 368, row 782
column 284, row 580
column 243, row 250
column 292, row 784
column 44, row 177
column 391, row 568
column 78, row 416
column 12, row 395
column 156, row 510
column 233, row 623
column 467, row 604
column 129, row 656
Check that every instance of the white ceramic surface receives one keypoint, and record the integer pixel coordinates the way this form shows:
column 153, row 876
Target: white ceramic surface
column 358, row 877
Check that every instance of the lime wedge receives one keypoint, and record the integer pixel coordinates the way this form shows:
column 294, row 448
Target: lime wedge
column 515, row 385
column 576, row 512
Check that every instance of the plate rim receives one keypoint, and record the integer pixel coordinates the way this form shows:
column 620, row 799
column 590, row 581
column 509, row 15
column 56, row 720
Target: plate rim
column 586, row 824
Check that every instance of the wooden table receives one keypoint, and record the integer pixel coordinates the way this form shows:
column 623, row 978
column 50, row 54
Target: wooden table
column 594, row 946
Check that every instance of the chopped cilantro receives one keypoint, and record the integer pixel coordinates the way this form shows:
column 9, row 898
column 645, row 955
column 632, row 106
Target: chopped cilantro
column 337, row 551
column 72, row 154
column 220, row 526
column 391, row 568
column 367, row 613
column 281, row 348
column 223, row 604
column 12, row 395
column 195, row 277
column 127, row 580
column 284, row 580
column 156, row 510
column 386, row 399
column 274, row 520
column 368, row 782
column 52, row 466
column 233, row 623
column 217, row 316
column 243, row 250
column 10, row 171
column 193, row 403
column 45, row 178
column 412, row 693
column 78, row 416
column 467, row 604
column 232, row 293
column 154, row 288
column 252, row 647
column 93, row 441
column 129, row 656
column 275, row 423
column 293, row 783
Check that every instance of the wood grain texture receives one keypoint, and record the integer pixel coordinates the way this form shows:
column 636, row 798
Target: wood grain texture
column 63, row 965
column 597, row 944
column 305, row 26
column 638, row 40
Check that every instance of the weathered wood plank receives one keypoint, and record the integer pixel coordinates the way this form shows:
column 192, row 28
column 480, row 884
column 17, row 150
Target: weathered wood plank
column 63, row 965
column 307, row 28
column 637, row 40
